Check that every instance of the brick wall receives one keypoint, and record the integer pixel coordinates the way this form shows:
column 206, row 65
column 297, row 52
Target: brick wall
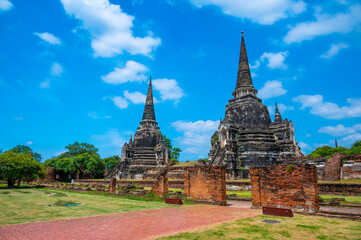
column 112, row 185
column 50, row 175
column 340, row 188
column 206, row 183
column 286, row 185
column 332, row 169
column 160, row 186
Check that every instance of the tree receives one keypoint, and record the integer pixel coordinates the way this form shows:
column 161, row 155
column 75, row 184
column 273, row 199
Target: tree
column 174, row 152
column 355, row 148
column 327, row 151
column 80, row 157
column 19, row 167
column 26, row 149
column 110, row 162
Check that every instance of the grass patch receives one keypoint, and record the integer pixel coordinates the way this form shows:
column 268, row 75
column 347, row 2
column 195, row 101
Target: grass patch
column 348, row 199
column 342, row 181
column 5, row 192
column 298, row 227
column 16, row 208
column 242, row 194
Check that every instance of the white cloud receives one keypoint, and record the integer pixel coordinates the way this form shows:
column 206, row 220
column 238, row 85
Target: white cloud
column 275, row 60
column 109, row 142
column 29, row 143
column 339, row 130
column 256, row 65
column 329, row 110
column 308, row 135
column 48, row 37
column 281, row 107
column 5, row 5
column 45, row 84
column 196, row 135
column 132, row 72
column 259, row 11
column 168, row 88
column 110, row 28
column 335, row 48
column 17, row 118
column 56, row 69
column 271, row 89
column 120, row 102
column 304, row 145
column 350, row 139
column 325, row 24
column 135, row 97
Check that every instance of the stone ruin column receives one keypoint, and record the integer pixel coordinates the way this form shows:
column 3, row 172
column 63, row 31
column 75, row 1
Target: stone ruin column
column 112, row 185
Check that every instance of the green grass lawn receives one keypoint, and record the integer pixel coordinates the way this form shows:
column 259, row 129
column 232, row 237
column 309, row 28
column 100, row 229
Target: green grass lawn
column 32, row 204
column 298, row 227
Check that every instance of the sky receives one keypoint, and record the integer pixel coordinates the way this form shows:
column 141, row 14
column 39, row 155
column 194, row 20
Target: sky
column 77, row 70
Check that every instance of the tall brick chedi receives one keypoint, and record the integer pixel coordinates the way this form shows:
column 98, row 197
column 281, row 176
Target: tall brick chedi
column 246, row 136
column 147, row 151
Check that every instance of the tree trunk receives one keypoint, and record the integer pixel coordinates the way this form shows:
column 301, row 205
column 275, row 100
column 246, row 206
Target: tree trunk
column 19, row 181
column 11, row 183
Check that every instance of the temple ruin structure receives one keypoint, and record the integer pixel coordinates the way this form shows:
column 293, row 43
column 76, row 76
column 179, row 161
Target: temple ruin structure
column 147, row 151
column 246, row 136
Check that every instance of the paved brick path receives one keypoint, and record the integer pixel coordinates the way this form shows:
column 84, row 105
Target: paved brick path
column 341, row 210
column 133, row 225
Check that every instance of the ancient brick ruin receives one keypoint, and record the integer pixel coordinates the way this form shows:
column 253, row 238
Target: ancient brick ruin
column 332, row 168
column 206, row 183
column 247, row 136
column 160, row 185
column 289, row 185
column 147, row 151
column 112, row 185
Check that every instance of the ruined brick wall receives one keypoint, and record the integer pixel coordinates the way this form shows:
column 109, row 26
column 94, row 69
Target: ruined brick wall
column 112, row 185
column 206, row 183
column 332, row 169
column 160, row 186
column 345, row 189
column 50, row 175
column 286, row 185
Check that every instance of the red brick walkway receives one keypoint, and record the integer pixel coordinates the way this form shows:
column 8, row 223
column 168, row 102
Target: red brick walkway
column 133, row 225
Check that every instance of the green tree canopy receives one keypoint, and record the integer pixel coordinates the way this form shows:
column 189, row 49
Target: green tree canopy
column 19, row 167
column 110, row 162
column 327, row 151
column 80, row 157
column 26, row 149
column 174, row 152
column 355, row 148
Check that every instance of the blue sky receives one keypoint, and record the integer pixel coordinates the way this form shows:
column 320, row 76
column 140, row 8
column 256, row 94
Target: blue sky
column 77, row 70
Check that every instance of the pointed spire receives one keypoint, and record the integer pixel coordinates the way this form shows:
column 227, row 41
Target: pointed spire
column 244, row 75
column 278, row 117
column 131, row 138
column 336, row 145
column 149, row 106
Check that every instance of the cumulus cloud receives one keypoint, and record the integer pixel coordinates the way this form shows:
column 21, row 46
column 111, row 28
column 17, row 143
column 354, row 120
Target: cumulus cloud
column 5, row 5
column 132, row 72
column 17, row 118
column 304, row 145
column 329, row 110
column 109, row 142
column 272, row 89
column 48, row 37
column 95, row 115
column 45, row 84
column 335, row 48
column 120, row 102
column 350, row 139
column 196, row 135
column 275, row 60
column 135, row 97
column 56, row 69
column 325, row 24
column 29, row 143
column 169, row 89
column 259, row 11
column 110, row 28
column 338, row 130
column 281, row 107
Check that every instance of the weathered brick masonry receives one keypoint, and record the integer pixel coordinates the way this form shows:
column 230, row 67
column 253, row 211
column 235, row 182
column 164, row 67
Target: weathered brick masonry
column 286, row 185
column 332, row 169
column 207, row 183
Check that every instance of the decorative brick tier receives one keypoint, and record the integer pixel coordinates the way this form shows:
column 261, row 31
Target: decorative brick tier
column 206, row 183
column 286, row 185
